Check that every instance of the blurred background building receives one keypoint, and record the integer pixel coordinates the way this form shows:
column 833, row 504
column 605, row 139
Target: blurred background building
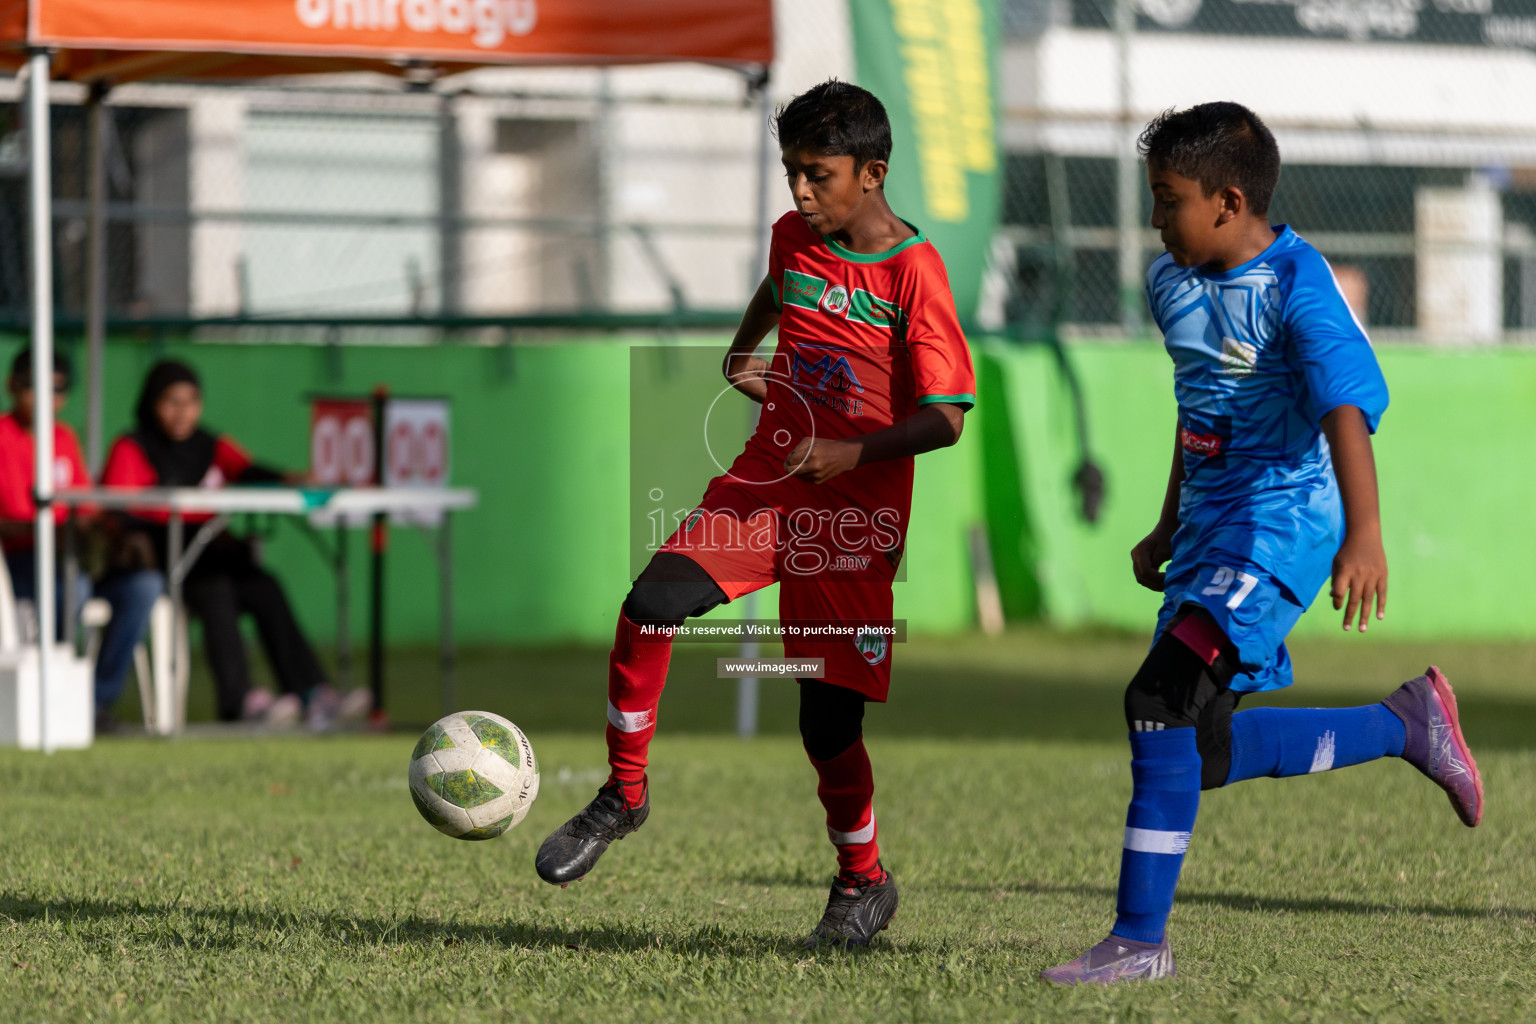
column 1406, row 126
column 1408, row 141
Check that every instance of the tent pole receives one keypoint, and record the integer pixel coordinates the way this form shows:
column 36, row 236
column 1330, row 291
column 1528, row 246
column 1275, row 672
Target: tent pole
column 96, row 275
column 39, row 72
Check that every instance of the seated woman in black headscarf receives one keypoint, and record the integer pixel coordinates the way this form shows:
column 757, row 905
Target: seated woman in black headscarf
column 171, row 449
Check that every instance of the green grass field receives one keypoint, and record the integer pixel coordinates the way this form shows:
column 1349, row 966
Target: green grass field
column 289, row 878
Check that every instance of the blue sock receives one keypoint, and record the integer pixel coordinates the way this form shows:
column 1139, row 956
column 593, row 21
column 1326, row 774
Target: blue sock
column 1165, row 774
column 1281, row 742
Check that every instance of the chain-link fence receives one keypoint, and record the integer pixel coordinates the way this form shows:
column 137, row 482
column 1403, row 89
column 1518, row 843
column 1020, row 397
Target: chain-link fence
column 1405, row 126
column 558, row 194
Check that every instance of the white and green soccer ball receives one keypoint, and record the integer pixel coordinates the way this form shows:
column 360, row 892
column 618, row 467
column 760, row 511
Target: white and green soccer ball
column 473, row 775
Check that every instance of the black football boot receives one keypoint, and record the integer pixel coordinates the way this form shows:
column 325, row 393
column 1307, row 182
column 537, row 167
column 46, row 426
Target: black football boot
column 857, row 909
column 573, row 849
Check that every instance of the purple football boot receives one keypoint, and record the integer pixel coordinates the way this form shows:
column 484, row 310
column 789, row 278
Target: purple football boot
column 1115, row 960
column 1435, row 745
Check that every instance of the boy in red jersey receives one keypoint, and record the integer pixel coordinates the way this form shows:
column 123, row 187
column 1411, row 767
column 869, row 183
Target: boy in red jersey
column 130, row 594
column 871, row 369
column 18, row 476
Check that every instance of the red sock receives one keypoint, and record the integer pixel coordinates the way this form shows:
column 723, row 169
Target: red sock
column 637, row 671
column 846, row 790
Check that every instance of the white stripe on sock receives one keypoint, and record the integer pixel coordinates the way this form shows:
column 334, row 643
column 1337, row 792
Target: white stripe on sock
column 630, row 721
column 855, row 838
column 1146, row 840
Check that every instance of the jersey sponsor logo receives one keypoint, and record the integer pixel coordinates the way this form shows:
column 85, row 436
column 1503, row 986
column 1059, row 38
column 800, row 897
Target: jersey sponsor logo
column 873, row 310
column 1238, row 358
column 1200, row 444
column 825, row 374
column 859, row 306
column 836, row 300
column 1206, row 442
column 803, row 290
column 873, row 645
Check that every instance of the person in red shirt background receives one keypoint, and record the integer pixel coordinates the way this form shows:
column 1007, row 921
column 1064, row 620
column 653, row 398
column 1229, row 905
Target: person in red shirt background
column 18, row 476
column 170, row 448
column 130, row 593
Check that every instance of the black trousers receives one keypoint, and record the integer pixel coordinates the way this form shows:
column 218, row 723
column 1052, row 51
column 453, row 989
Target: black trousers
column 218, row 593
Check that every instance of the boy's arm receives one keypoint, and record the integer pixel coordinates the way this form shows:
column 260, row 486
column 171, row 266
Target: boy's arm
column 1148, row 557
column 746, row 372
column 822, row 458
column 1360, row 567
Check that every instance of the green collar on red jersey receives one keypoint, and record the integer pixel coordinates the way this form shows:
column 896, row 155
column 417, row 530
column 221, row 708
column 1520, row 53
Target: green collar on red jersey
column 874, row 257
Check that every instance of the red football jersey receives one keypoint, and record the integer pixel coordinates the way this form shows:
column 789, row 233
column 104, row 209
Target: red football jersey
column 128, row 466
column 17, row 476
column 865, row 340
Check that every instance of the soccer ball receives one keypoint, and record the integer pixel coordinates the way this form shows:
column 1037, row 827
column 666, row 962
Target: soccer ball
column 473, row 775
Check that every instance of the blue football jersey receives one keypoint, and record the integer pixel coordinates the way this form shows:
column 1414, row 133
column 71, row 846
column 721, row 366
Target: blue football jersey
column 1261, row 353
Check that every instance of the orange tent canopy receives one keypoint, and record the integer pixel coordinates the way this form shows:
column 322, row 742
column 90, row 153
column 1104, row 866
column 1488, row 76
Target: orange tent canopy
column 129, row 40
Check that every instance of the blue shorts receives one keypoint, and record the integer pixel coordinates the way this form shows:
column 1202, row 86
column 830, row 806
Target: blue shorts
column 1255, row 562
column 1254, row 609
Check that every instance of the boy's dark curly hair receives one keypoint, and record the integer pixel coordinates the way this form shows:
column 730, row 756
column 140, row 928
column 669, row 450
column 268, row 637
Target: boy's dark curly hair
column 837, row 119
column 1218, row 145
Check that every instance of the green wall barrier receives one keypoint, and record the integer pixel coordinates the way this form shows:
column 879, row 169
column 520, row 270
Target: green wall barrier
column 1454, row 459
column 542, row 432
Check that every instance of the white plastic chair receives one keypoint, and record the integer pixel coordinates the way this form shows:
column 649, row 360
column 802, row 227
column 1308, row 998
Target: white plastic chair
column 163, row 670
column 161, row 694
column 68, row 720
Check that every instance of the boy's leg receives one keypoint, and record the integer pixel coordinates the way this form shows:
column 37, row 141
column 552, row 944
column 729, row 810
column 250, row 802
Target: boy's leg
column 672, row 588
column 1281, row 742
column 1192, row 666
column 831, row 727
column 863, row 897
column 1417, row 722
column 855, row 600
column 1177, row 699
column 725, row 548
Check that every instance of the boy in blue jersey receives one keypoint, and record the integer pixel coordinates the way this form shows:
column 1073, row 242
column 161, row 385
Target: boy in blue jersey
column 1272, row 490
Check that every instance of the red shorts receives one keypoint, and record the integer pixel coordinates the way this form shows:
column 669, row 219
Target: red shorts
column 834, row 563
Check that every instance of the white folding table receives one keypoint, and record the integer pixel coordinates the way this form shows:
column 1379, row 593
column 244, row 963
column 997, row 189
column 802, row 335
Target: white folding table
column 344, row 507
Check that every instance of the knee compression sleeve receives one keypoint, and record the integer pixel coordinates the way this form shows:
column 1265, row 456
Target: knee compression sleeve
column 672, row 588
column 831, row 718
column 1176, row 688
